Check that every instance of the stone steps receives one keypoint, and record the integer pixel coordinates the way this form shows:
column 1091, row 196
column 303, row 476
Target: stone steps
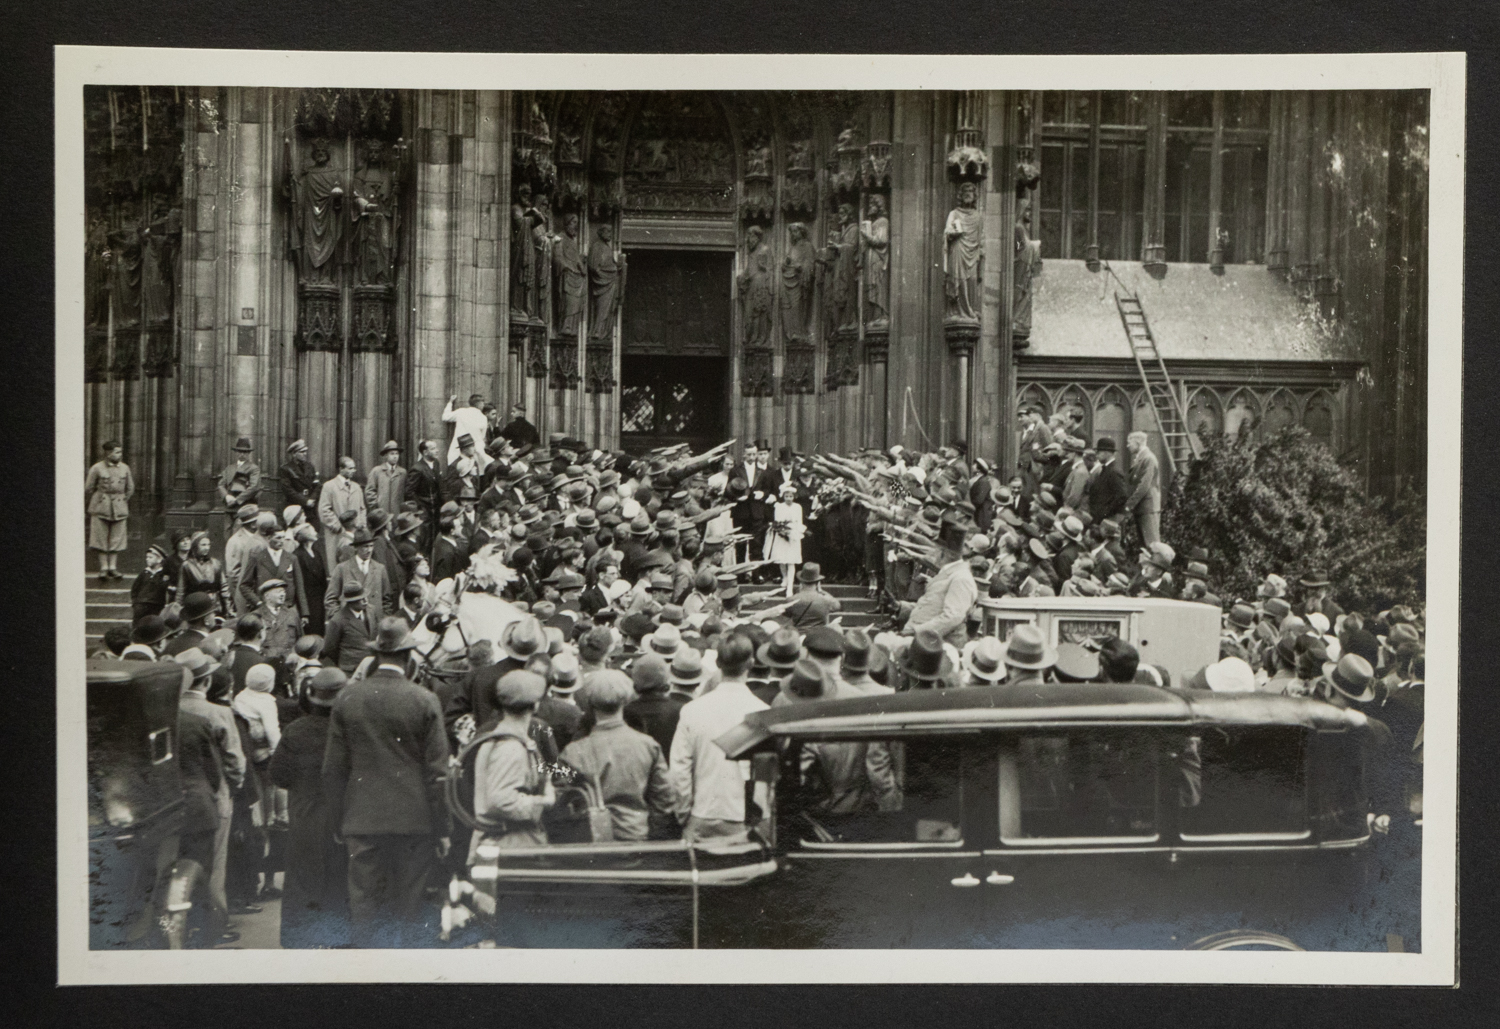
column 104, row 606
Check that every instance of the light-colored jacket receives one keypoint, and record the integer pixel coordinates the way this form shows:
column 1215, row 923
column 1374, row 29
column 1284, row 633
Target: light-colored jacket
column 945, row 603
column 386, row 487
column 708, row 784
column 339, row 495
column 109, row 489
column 239, row 553
column 1145, row 482
column 631, row 772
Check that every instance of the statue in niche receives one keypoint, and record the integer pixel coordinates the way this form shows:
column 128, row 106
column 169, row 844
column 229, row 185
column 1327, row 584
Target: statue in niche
column 755, row 289
column 158, row 259
column 758, row 160
column 1027, row 265
column 97, row 270
column 875, row 237
column 606, row 285
column 523, row 216
column 126, row 251
column 964, row 256
column 848, row 136
column 798, row 269
column 541, row 242
column 317, row 196
column 840, row 264
column 569, row 148
column 799, row 155
column 375, row 218
column 571, row 273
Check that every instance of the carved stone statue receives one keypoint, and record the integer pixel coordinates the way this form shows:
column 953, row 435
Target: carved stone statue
column 798, row 269
column 541, row 242
column 158, row 262
column 317, row 196
column 875, row 237
column 96, row 275
column 758, row 160
column 125, row 252
column 755, row 290
column 965, row 256
column 840, row 262
column 523, row 215
column 375, row 218
column 1027, row 265
column 606, row 285
column 571, row 273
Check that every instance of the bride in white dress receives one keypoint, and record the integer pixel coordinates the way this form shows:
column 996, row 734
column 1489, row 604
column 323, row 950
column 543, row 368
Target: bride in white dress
column 784, row 540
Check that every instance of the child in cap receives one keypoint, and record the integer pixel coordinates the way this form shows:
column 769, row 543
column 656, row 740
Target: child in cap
column 258, row 708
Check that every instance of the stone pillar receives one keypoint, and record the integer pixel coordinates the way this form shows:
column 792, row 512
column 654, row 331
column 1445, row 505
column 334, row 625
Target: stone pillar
column 1277, row 255
column 433, row 362
column 1216, row 187
column 877, row 327
column 993, row 388
column 918, row 206
column 1300, row 259
column 245, row 334
column 1153, row 208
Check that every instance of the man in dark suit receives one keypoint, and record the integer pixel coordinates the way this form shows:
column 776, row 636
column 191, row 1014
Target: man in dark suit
column 274, row 561
column 349, row 631
column 474, row 694
column 383, row 778
column 362, row 568
column 450, row 555
column 197, row 608
column 300, row 482
column 768, row 485
column 424, row 487
column 1109, row 490
column 249, row 635
column 385, row 550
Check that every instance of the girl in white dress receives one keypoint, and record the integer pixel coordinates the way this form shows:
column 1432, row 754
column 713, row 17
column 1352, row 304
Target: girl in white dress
column 784, row 540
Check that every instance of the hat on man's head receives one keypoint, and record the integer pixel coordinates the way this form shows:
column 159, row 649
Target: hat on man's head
column 390, row 445
column 247, row 514
column 271, row 584
column 148, row 629
column 407, row 522
column 519, row 688
column 1351, row 675
column 323, row 688
column 926, row 660
column 243, row 444
column 197, row 662
column 1196, row 570
column 1242, row 616
column 1105, row 445
column 362, row 537
column 666, row 640
column 1313, row 578
column 687, row 667
column 635, row 626
column 1276, row 609
column 857, row 645
column 824, row 641
column 1230, row 675
column 377, row 518
column 296, row 445
column 523, row 638
column 1027, row 649
column 196, row 606
column 564, row 674
column 465, row 440
column 783, row 650
column 650, row 673
column 985, row 660
column 672, row 614
column 1076, row 663
column 810, row 572
column 1161, row 555
column 393, row 636
column 807, row 681
column 595, row 645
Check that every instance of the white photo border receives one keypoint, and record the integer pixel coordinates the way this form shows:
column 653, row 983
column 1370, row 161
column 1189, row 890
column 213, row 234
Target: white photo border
column 1442, row 73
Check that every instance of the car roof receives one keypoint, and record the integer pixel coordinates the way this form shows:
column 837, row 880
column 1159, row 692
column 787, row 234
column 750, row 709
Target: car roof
column 112, row 671
column 1040, row 706
column 1070, row 604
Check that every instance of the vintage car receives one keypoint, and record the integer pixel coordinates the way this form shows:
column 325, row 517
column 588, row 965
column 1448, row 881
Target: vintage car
column 1059, row 816
column 1178, row 635
column 134, row 798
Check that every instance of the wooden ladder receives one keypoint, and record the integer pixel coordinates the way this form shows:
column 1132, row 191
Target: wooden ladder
column 1182, row 446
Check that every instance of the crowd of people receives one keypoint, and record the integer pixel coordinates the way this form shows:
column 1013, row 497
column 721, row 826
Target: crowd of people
column 656, row 602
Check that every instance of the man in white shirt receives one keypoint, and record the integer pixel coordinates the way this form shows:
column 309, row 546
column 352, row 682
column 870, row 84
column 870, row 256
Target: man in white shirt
column 466, row 421
column 710, row 788
column 944, row 604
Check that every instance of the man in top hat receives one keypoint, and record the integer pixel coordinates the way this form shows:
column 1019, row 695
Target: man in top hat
column 385, row 486
column 518, row 431
column 710, row 788
column 240, row 482
column 240, row 550
column 380, row 595
column 945, row 602
column 1027, row 656
column 467, row 420
column 300, row 482
column 340, row 494
column 1108, row 490
column 383, row 777
column 424, row 487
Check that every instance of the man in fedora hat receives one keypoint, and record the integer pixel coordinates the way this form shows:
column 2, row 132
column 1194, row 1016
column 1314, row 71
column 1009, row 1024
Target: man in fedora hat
column 340, row 494
column 385, row 486
column 239, row 553
column 197, row 610
column 299, row 480
column 810, row 584
column 1347, row 682
column 1155, row 577
column 945, row 601
column 474, row 695
column 984, row 662
column 315, row 893
column 926, row 664
column 383, row 776
column 1027, row 656
column 350, row 629
column 710, row 788
column 860, row 656
column 239, row 484
column 362, row 568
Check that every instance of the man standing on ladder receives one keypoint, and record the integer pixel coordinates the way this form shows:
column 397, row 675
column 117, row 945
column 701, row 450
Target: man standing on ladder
column 1145, row 488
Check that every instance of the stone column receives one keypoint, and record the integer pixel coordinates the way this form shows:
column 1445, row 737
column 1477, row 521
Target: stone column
column 433, row 361
column 918, row 205
column 245, row 334
column 1275, row 233
column 1153, row 207
column 993, row 388
column 1216, row 186
column 1300, row 259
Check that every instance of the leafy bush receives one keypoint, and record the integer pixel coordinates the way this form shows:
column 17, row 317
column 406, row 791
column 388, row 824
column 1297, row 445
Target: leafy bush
column 1284, row 504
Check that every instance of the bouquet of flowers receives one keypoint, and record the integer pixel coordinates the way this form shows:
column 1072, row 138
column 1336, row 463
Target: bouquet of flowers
column 830, row 493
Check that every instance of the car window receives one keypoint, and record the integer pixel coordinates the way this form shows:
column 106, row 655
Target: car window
column 872, row 792
column 1078, row 787
column 1250, row 782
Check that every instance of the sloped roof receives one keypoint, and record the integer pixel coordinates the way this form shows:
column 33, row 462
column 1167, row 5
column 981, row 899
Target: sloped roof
column 1246, row 314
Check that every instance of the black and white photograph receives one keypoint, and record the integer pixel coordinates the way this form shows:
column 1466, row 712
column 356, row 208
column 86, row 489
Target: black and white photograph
column 519, row 514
